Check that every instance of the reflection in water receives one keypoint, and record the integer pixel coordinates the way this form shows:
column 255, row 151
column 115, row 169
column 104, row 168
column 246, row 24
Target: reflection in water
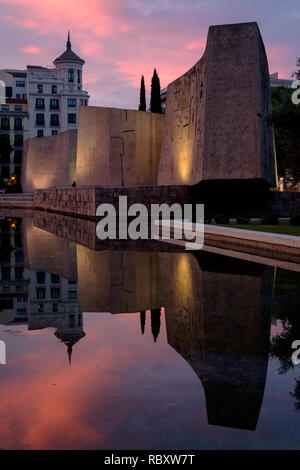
column 216, row 311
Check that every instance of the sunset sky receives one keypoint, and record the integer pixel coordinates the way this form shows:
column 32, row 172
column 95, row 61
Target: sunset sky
column 122, row 39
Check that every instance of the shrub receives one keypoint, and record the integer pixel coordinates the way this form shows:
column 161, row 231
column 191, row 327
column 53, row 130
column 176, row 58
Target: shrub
column 295, row 219
column 242, row 220
column 270, row 219
column 221, row 219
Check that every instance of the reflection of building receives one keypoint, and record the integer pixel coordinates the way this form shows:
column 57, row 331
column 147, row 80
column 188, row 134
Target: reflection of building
column 14, row 120
column 53, row 302
column 13, row 276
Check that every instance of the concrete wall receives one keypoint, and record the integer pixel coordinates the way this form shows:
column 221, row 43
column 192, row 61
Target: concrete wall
column 118, row 147
column 84, row 201
column 214, row 124
column 49, row 161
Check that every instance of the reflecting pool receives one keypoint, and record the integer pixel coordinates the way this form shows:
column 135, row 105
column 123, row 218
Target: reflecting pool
column 142, row 346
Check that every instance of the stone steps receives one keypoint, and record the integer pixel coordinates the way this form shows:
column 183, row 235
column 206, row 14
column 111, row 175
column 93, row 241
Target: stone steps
column 16, row 200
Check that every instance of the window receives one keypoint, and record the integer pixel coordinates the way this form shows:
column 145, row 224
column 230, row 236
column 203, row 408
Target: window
column 6, row 289
column 40, row 88
column 5, row 124
column 40, row 278
column 81, row 102
column 40, row 133
column 18, row 274
column 71, row 103
column 54, row 293
column 85, row 102
column 54, row 307
column 18, row 140
column 18, row 107
column 54, row 279
column 54, row 89
column 40, row 293
column 41, row 308
column 40, row 103
column 71, row 75
column 54, row 132
column 18, row 240
column 71, row 321
column 4, row 107
column 54, row 104
column 79, row 76
column 71, row 118
column 21, row 310
column 20, row 84
column 71, row 87
column 72, row 294
column 54, row 120
column 24, row 96
column 5, row 273
column 18, row 96
column 40, row 120
column 18, row 124
column 18, row 156
column 19, row 254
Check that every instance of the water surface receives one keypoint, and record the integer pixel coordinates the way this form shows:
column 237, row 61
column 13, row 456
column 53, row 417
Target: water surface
column 122, row 347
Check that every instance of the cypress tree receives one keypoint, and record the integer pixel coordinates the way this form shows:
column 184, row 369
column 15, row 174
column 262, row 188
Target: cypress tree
column 142, row 106
column 155, row 105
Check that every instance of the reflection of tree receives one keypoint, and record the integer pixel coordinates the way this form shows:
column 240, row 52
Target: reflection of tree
column 281, row 345
column 286, row 307
column 143, row 321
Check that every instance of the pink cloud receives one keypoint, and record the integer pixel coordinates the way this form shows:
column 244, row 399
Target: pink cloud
column 31, row 50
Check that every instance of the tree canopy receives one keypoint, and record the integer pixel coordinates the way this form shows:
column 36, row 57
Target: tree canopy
column 285, row 118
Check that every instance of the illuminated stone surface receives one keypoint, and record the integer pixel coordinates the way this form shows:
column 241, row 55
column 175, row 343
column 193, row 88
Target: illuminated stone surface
column 118, row 147
column 49, row 161
column 214, row 125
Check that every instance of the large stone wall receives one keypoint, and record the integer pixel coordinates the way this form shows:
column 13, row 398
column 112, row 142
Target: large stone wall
column 118, row 147
column 49, row 161
column 214, row 125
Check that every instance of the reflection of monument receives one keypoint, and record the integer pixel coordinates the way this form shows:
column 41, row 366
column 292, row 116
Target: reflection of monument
column 216, row 311
column 220, row 325
column 118, row 281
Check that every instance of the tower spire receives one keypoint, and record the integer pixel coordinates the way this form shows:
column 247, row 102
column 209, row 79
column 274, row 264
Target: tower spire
column 68, row 41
